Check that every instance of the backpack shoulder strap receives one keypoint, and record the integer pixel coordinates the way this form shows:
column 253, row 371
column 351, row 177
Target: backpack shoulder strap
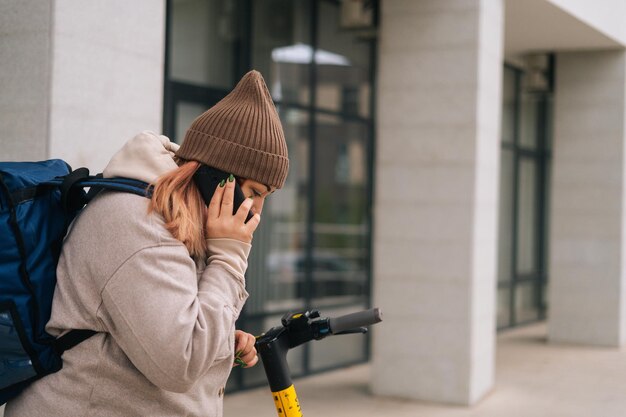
column 97, row 184
column 70, row 199
column 71, row 339
column 73, row 196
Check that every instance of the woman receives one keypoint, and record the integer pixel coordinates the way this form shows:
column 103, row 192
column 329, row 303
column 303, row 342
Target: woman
column 162, row 280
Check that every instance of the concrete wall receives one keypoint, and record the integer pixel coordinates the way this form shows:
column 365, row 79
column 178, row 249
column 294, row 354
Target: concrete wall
column 587, row 290
column 437, row 164
column 79, row 78
column 25, row 66
column 107, row 79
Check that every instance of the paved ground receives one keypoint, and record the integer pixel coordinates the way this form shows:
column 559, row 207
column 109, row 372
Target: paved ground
column 533, row 379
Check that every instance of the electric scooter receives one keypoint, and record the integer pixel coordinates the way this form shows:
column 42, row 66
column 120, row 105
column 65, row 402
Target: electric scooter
column 297, row 329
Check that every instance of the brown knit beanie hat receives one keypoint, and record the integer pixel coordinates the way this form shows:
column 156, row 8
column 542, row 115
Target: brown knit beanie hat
column 241, row 135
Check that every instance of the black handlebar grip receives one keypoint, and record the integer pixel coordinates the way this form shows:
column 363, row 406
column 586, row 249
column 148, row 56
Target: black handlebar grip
column 355, row 320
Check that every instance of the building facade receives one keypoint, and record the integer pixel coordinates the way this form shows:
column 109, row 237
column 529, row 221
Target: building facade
column 458, row 163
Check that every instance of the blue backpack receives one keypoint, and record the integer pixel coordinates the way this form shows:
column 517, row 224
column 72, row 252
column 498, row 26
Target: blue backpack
column 38, row 201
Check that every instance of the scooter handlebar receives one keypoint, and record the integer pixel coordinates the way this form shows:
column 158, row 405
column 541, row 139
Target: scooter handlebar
column 355, row 320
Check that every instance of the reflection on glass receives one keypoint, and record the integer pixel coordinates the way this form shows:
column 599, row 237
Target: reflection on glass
column 275, row 277
column 505, row 229
column 508, row 104
column 340, row 257
column 203, row 35
column 185, row 114
column 526, row 308
column 527, row 217
column 528, row 121
column 280, row 47
column 343, row 82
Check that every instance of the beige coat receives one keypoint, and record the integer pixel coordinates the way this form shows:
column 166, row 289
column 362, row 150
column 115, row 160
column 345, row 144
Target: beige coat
column 166, row 323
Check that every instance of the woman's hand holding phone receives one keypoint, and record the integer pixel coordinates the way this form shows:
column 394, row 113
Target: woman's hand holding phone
column 222, row 223
column 207, row 179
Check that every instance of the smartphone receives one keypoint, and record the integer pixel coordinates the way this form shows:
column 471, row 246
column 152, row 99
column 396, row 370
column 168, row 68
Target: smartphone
column 208, row 178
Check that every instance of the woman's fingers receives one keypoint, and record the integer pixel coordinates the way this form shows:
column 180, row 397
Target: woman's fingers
column 253, row 361
column 228, row 197
column 246, row 354
column 244, row 342
column 251, row 343
column 244, row 208
column 240, row 340
column 253, row 223
column 216, row 202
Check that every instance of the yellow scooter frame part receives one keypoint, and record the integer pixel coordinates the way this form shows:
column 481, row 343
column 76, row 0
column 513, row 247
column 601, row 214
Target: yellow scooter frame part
column 286, row 402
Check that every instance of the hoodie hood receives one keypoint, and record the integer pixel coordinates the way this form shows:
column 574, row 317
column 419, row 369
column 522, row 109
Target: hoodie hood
column 145, row 157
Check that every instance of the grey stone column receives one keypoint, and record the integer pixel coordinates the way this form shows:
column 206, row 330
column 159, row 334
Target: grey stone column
column 78, row 79
column 436, row 198
column 436, row 208
column 587, row 298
